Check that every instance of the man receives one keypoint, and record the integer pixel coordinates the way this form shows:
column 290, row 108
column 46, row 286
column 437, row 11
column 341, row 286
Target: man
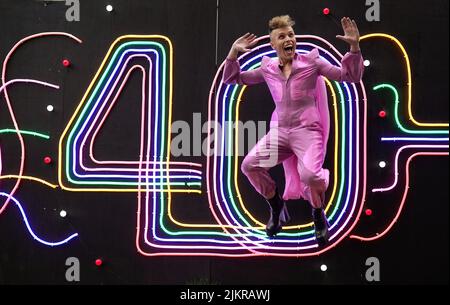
column 299, row 128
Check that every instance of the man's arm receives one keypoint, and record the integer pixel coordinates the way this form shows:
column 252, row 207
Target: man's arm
column 352, row 63
column 232, row 72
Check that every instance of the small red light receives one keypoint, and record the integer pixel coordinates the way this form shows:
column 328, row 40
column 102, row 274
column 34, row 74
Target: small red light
column 382, row 114
column 47, row 160
column 368, row 212
column 326, row 11
column 66, row 63
column 98, row 262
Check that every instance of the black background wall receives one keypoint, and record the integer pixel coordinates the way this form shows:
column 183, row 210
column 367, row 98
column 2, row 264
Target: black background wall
column 416, row 249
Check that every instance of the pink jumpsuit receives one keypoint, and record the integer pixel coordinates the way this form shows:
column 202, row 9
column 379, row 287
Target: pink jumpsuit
column 299, row 126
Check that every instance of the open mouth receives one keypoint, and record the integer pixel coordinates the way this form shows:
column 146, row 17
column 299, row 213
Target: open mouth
column 289, row 50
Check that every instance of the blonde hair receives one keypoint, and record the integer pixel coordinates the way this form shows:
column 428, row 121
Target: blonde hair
column 280, row 22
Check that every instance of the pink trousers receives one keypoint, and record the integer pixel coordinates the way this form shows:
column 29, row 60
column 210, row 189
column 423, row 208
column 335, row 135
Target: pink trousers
column 281, row 143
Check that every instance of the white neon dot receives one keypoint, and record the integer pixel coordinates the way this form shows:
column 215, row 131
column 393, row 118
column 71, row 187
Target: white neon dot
column 382, row 164
column 366, row 62
column 63, row 213
column 323, row 267
column 109, row 8
column 50, row 108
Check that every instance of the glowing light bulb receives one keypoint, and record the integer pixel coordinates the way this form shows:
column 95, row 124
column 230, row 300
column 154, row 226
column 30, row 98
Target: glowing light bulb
column 63, row 213
column 323, row 267
column 109, row 8
column 50, row 108
column 382, row 164
column 366, row 63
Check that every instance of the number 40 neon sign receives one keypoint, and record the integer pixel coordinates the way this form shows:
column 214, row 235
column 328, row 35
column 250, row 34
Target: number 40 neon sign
column 156, row 178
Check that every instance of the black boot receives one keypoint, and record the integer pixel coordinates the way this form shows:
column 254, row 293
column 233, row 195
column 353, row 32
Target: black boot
column 278, row 215
column 320, row 227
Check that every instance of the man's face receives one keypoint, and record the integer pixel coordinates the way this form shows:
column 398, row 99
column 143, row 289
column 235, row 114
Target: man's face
column 284, row 43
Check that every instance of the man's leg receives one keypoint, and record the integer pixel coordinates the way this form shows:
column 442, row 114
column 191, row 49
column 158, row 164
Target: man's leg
column 271, row 150
column 309, row 149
